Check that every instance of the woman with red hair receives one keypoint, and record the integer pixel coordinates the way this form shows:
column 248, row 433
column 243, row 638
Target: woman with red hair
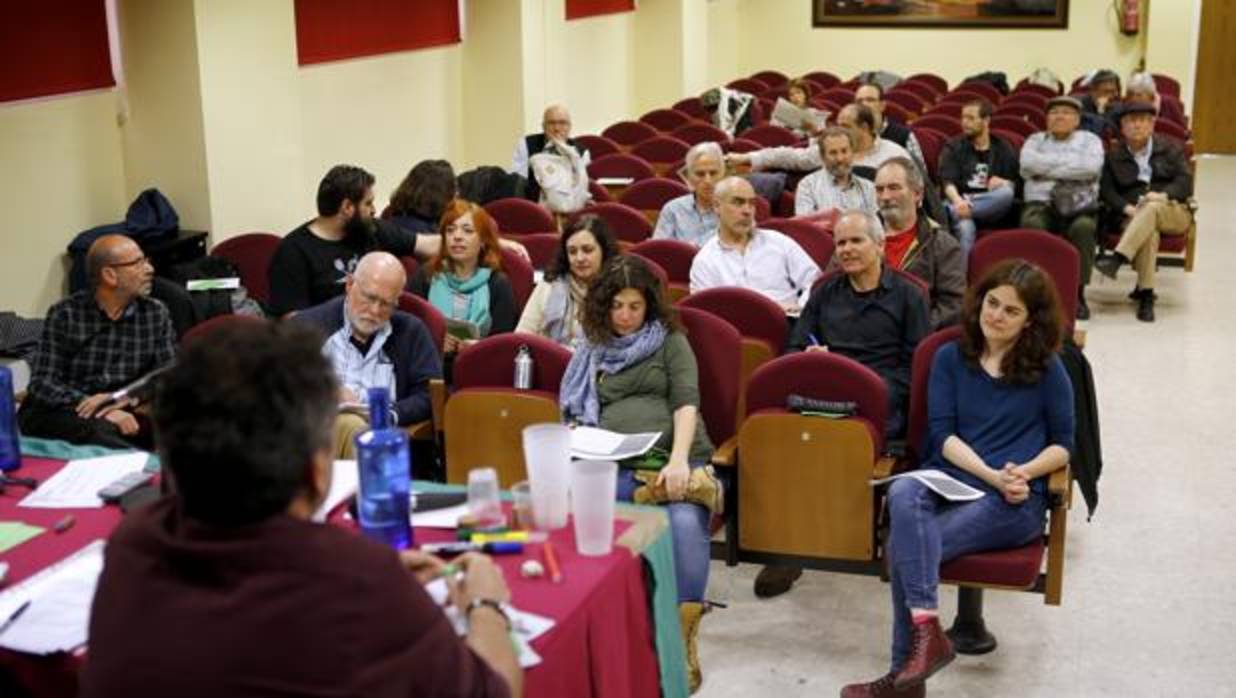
column 464, row 281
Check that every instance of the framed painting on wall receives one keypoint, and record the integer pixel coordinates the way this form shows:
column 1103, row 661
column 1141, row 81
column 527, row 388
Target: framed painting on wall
column 1051, row 14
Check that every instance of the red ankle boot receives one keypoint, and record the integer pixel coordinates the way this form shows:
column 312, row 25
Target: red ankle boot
column 882, row 688
column 930, row 653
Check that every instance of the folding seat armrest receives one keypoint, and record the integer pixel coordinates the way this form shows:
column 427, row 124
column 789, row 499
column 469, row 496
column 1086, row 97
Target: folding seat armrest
column 421, row 431
column 726, row 455
column 1060, row 487
column 884, row 466
column 437, row 402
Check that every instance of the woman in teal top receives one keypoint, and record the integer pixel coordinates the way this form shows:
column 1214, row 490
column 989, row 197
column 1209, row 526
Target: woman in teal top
column 464, row 281
column 635, row 372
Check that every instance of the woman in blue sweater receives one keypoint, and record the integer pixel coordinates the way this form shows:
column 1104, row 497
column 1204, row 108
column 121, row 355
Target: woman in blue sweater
column 1000, row 418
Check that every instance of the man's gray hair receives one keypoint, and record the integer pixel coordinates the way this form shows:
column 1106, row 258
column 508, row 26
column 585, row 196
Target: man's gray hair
column 914, row 176
column 1142, row 84
column 874, row 227
column 837, row 132
column 700, row 150
column 726, row 186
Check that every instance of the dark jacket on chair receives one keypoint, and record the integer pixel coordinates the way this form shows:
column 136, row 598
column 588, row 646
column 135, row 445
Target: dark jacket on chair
column 409, row 347
column 1169, row 173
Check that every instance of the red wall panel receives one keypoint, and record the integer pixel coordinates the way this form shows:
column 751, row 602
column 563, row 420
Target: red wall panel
column 329, row 30
column 51, row 47
column 577, row 9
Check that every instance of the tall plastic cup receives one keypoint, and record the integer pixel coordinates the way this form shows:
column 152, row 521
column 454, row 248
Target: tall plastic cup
column 593, row 488
column 547, row 453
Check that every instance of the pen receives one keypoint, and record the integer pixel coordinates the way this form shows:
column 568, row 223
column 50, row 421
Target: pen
column 460, row 547
column 551, row 562
column 13, row 618
column 64, row 524
column 815, row 341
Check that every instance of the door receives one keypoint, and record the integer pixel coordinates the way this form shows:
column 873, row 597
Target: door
column 1214, row 94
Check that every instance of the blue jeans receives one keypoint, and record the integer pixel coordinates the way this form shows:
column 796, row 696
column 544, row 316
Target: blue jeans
column 927, row 530
column 985, row 207
column 689, row 532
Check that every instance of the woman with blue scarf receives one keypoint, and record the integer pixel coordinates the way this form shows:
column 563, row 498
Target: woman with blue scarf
column 634, row 372
column 554, row 307
column 464, row 281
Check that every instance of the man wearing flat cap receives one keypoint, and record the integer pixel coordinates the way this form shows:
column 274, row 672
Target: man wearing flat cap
column 1146, row 186
column 1061, row 168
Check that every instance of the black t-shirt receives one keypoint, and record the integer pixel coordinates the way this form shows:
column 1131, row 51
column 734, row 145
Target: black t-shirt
column 968, row 169
column 307, row 270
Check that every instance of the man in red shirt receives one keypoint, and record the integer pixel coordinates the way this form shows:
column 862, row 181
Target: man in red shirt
column 225, row 587
column 917, row 244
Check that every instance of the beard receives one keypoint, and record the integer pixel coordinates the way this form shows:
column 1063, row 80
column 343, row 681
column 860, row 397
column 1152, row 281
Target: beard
column 358, row 228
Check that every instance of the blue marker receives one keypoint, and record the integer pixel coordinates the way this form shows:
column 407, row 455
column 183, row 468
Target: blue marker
column 815, row 342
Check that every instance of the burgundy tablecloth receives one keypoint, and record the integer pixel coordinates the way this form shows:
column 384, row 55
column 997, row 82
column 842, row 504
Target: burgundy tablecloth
column 602, row 643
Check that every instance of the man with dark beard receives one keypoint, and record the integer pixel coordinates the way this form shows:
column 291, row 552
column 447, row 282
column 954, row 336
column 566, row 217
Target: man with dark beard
column 313, row 261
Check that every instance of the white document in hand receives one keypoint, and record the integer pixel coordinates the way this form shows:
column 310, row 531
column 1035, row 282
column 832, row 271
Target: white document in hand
column 77, row 484
column 590, row 442
column 940, row 482
column 60, row 596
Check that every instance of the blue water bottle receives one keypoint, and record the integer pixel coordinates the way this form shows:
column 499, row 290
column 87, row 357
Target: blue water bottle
column 385, row 476
column 10, row 448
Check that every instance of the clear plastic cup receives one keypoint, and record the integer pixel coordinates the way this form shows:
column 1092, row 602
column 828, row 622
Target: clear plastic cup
column 484, row 503
column 547, row 453
column 593, row 488
column 521, row 506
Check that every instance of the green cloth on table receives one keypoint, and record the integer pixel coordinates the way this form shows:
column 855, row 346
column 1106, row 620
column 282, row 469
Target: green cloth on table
column 63, row 450
column 14, row 533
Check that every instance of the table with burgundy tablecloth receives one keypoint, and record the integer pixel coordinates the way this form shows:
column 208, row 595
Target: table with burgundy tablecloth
column 615, row 617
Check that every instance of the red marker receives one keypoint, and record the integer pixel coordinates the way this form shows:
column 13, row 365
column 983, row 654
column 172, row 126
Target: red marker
column 64, row 524
column 551, row 563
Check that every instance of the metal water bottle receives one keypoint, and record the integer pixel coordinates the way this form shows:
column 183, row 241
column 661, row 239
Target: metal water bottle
column 523, row 368
column 10, row 448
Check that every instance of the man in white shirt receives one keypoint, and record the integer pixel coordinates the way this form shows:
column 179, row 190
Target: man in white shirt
column 835, row 186
column 743, row 255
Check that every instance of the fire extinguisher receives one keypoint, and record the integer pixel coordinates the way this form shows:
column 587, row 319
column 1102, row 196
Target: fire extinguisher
column 1130, row 16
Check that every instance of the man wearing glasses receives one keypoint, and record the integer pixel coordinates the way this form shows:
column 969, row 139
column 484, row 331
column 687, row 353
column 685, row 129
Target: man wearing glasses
column 94, row 343
column 373, row 345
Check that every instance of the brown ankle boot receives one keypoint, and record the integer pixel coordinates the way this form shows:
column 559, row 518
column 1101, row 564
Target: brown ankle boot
column 931, row 652
column 690, row 612
column 882, row 688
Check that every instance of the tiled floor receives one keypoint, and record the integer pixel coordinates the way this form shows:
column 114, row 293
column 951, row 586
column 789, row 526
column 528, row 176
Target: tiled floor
column 1149, row 603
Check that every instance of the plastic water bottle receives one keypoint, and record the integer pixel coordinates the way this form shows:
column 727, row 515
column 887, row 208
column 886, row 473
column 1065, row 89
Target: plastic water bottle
column 10, row 448
column 523, row 368
column 385, row 476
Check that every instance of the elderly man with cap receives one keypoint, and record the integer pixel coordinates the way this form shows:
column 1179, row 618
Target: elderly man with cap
column 1146, row 184
column 1061, row 168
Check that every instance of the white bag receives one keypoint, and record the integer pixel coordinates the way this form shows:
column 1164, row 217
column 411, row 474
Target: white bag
column 563, row 178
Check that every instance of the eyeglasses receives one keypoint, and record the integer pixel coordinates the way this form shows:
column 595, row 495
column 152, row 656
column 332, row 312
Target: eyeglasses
column 374, row 300
column 133, row 262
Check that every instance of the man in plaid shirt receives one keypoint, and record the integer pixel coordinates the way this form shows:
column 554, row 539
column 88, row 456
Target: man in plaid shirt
column 94, row 343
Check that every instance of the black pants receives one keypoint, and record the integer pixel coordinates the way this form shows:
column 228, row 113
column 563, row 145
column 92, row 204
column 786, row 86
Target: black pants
column 63, row 423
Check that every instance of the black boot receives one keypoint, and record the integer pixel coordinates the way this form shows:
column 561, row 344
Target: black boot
column 1083, row 310
column 1145, row 305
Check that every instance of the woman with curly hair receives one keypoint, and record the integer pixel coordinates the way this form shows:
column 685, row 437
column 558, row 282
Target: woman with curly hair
column 553, row 309
column 635, row 372
column 422, row 196
column 1000, row 418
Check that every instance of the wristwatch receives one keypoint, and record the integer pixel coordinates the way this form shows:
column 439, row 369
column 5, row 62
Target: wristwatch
column 478, row 602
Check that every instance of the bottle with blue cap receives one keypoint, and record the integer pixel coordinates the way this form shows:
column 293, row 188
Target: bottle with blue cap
column 385, row 476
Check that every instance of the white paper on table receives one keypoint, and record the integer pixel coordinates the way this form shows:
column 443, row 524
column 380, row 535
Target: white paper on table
column 60, row 596
column 344, row 483
column 525, row 626
column 440, row 518
column 940, row 482
column 590, row 442
column 77, row 484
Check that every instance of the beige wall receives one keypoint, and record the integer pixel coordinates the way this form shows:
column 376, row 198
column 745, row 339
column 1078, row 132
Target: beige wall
column 723, row 18
column 163, row 137
column 61, row 171
column 493, row 106
column 779, row 35
column 1171, row 41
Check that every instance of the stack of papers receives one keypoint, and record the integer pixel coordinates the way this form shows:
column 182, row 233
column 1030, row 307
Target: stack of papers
column 601, row 444
column 58, row 617
column 525, row 627
column 77, row 484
